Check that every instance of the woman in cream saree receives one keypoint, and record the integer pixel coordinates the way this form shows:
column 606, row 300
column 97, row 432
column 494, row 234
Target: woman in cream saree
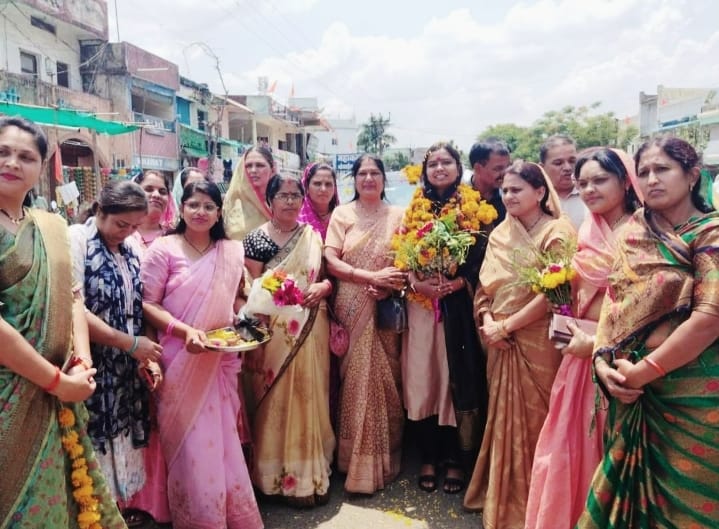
column 292, row 434
column 521, row 360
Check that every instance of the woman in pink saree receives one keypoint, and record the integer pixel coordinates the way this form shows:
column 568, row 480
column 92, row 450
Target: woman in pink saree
column 191, row 279
column 570, row 444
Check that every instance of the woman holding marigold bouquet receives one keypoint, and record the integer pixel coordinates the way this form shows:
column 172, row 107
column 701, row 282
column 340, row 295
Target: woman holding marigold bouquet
column 658, row 334
column 521, row 360
column 43, row 329
column 442, row 362
column 193, row 280
column 292, row 434
column 570, row 443
column 357, row 248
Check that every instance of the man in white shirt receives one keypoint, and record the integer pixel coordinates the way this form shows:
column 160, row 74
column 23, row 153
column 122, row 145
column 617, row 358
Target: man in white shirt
column 558, row 155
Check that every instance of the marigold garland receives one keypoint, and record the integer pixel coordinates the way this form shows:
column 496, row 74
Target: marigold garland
column 88, row 516
column 467, row 205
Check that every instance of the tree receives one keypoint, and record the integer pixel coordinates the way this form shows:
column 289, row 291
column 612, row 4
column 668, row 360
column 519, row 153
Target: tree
column 395, row 161
column 587, row 129
column 373, row 136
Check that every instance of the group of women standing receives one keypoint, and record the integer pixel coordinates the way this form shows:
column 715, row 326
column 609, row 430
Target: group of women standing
column 475, row 373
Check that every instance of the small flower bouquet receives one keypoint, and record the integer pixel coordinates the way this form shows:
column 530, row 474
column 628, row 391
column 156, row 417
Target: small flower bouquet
column 275, row 293
column 551, row 275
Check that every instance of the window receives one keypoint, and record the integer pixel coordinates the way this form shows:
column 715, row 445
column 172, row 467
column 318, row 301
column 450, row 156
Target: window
column 40, row 23
column 202, row 120
column 334, row 141
column 63, row 76
column 28, row 63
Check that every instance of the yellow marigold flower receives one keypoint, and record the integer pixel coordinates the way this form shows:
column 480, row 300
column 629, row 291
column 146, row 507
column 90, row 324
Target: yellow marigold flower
column 79, row 462
column 571, row 274
column 75, row 451
column 86, row 519
column 66, row 417
column 83, row 494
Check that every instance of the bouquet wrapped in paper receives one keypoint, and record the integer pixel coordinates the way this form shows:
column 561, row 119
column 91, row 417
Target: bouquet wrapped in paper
column 275, row 293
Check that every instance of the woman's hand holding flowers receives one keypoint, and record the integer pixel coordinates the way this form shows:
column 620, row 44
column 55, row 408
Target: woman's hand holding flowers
column 315, row 293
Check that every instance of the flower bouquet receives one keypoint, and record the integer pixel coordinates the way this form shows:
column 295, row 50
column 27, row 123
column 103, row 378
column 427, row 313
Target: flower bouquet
column 275, row 293
column 551, row 275
column 437, row 243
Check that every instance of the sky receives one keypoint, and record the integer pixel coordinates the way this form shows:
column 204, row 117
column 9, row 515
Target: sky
column 441, row 70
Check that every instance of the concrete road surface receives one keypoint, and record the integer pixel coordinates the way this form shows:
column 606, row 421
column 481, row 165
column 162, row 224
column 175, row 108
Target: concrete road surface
column 402, row 505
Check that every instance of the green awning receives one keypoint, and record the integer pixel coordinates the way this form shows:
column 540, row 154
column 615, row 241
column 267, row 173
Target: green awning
column 62, row 117
column 193, row 141
column 195, row 153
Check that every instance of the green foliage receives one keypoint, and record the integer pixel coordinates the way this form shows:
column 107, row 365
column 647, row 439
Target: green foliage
column 395, row 161
column 588, row 128
column 373, row 136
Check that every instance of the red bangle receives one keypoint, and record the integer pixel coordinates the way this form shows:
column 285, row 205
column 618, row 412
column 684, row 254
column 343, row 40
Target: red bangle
column 52, row 386
column 659, row 369
column 76, row 360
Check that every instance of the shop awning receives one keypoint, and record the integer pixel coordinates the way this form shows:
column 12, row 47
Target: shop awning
column 62, row 117
column 193, row 141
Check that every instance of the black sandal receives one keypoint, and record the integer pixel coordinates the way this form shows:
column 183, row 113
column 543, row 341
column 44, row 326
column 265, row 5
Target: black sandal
column 428, row 482
column 135, row 517
column 454, row 484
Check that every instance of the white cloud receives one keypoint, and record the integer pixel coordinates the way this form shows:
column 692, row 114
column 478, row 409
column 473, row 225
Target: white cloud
column 455, row 73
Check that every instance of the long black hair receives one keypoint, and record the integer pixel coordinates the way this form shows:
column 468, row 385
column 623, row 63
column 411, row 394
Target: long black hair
column 217, row 231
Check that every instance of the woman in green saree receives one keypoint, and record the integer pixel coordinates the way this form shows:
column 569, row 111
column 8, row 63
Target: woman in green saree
column 42, row 328
column 657, row 355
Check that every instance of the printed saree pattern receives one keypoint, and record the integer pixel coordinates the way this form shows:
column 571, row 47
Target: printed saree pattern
column 661, row 452
column 35, row 287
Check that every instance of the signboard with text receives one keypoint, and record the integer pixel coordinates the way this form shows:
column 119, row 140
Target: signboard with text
column 344, row 162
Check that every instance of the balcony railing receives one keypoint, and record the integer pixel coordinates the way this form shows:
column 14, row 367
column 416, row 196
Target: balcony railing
column 154, row 122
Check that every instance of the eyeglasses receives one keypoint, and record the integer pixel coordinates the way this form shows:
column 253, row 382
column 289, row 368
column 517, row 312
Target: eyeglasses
column 194, row 207
column 288, row 197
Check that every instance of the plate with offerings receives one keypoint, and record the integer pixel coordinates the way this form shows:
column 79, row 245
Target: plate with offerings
column 245, row 336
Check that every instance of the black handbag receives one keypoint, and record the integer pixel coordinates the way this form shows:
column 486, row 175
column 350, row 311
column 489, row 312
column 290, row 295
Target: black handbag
column 392, row 314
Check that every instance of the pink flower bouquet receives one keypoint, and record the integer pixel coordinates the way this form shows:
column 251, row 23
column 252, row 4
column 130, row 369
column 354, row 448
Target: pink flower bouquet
column 275, row 293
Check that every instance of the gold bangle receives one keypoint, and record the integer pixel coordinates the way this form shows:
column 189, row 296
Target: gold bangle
column 503, row 330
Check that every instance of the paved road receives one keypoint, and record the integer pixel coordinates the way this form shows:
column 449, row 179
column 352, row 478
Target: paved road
column 401, row 499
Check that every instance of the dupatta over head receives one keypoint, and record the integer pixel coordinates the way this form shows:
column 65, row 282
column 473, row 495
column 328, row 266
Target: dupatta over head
column 244, row 207
column 596, row 247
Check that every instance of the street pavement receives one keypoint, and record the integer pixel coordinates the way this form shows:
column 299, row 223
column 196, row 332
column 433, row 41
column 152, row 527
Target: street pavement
column 401, row 505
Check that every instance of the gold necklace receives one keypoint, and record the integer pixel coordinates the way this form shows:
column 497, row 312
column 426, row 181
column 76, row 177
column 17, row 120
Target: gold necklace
column 201, row 252
column 363, row 208
column 14, row 220
column 280, row 230
column 618, row 221
column 541, row 214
